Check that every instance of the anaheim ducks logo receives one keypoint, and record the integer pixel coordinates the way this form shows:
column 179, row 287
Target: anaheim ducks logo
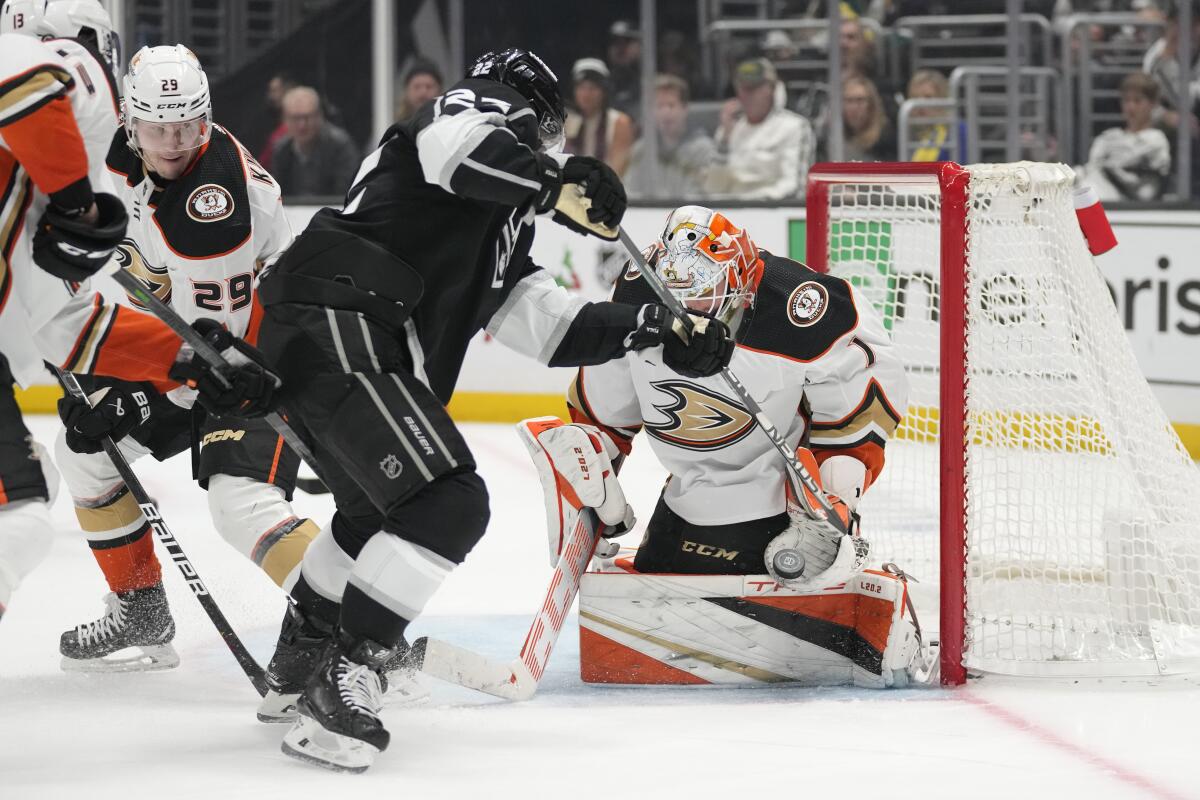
column 210, row 203
column 156, row 279
column 697, row 418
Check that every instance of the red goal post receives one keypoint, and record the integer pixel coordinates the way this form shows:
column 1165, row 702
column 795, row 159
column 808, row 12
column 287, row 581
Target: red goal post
column 1061, row 526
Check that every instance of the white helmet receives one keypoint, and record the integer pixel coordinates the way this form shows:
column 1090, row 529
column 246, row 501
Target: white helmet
column 167, row 104
column 708, row 262
column 64, row 19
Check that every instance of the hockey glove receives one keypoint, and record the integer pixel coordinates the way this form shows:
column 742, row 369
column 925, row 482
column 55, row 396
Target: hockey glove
column 249, row 389
column 592, row 200
column 111, row 412
column 74, row 250
column 704, row 351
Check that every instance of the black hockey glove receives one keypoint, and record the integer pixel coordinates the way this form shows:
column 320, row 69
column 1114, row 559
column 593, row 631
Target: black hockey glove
column 704, row 351
column 592, row 200
column 74, row 250
column 653, row 322
column 111, row 412
column 249, row 389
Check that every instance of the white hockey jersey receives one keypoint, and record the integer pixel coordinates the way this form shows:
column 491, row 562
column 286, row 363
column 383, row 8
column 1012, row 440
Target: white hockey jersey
column 58, row 112
column 199, row 242
column 811, row 352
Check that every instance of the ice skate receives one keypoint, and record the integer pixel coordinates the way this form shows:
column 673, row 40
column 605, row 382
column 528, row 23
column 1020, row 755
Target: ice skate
column 402, row 682
column 302, row 642
column 134, row 635
column 338, row 726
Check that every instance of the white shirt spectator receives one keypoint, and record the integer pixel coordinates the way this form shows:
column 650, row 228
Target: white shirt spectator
column 764, row 161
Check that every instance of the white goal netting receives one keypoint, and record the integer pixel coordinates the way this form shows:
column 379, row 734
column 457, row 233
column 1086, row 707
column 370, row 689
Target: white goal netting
column 1082, row 518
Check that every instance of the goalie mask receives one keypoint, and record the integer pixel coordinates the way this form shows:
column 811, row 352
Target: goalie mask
column 85, row 20
column 532, row 79
column 707, row 262
column 168, row 108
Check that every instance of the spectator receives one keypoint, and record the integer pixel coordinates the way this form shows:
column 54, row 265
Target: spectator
column 934, row 140
column 277, row 86
column 685, row 151
column 625, row 61
column 763, row 151
column 1162, row 63
column 594, row 128
column 316, row 157
column 867, row 133
column 422, row 83
column 1133, row 162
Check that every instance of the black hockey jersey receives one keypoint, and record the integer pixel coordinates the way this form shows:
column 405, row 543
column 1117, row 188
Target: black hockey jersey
column 451, row 192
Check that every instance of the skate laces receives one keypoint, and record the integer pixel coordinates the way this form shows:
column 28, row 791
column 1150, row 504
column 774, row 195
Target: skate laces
column 359, row 687
column 112, row 621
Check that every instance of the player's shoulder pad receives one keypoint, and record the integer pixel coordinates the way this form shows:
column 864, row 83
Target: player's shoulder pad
column 632, row 290
column 798, row 313
column 206, row 212
column 82, row 50
column 122, row 161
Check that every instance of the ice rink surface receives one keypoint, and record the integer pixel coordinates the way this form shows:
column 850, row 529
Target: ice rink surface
column 191, row 732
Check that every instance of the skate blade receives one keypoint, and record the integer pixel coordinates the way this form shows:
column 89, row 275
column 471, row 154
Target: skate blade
column 405, row 690
column 276, row 707
column 308, row 741
column 148, row 658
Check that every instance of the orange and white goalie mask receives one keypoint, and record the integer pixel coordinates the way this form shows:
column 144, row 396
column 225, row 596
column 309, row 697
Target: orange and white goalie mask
column 707, row 262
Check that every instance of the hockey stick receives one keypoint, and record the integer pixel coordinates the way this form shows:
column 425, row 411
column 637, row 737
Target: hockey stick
column 797, row 475
column 518, row 679
column 246, row 661
column 171, row 318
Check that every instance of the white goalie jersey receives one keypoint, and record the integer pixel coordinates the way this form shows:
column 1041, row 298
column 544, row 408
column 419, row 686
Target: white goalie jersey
column 810, row 351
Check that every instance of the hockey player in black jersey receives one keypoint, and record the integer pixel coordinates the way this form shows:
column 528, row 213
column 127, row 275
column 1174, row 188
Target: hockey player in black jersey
column 368, row 317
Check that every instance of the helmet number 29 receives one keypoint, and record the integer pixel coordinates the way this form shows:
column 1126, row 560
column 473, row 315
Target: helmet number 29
column 170, row 85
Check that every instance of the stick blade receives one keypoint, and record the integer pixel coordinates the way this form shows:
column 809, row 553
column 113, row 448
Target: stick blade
column 457, row 665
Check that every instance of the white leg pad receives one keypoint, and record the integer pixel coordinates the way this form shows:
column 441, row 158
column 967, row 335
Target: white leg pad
column 243, row 510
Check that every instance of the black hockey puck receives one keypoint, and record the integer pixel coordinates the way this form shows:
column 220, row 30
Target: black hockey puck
column 788, row 564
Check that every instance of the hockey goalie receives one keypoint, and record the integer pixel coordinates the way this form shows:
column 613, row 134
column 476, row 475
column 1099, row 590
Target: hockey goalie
column 701, row 601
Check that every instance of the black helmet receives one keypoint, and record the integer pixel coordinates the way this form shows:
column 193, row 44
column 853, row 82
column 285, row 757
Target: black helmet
column 529, row 75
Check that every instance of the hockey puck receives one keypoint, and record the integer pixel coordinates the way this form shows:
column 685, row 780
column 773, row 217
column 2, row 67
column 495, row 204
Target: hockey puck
column 788, row 564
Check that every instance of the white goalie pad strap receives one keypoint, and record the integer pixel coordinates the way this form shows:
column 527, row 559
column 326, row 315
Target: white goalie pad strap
column 575, row 472
column 743, row 630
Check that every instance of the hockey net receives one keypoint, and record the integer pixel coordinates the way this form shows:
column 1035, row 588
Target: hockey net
column 1035, row 481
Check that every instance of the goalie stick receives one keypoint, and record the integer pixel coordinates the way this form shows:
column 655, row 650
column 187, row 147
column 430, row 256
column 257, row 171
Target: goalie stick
column 518, row 679
column 167, row 539
column 802, row 483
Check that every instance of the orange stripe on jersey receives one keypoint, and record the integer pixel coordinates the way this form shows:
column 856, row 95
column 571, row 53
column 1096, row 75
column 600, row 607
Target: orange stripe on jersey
column 136, row 347
column 256, row 317
column 275, row 461
column 3, row 494
column 49, row 146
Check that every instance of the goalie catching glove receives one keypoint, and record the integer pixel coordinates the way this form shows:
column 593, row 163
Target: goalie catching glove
column 247, row 388
column 812, row 553
column 576, row 471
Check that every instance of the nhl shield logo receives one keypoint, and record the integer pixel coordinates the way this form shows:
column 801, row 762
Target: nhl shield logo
column 391, row 466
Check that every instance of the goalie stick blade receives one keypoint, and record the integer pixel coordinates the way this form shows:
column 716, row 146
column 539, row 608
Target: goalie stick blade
column 457, row 665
